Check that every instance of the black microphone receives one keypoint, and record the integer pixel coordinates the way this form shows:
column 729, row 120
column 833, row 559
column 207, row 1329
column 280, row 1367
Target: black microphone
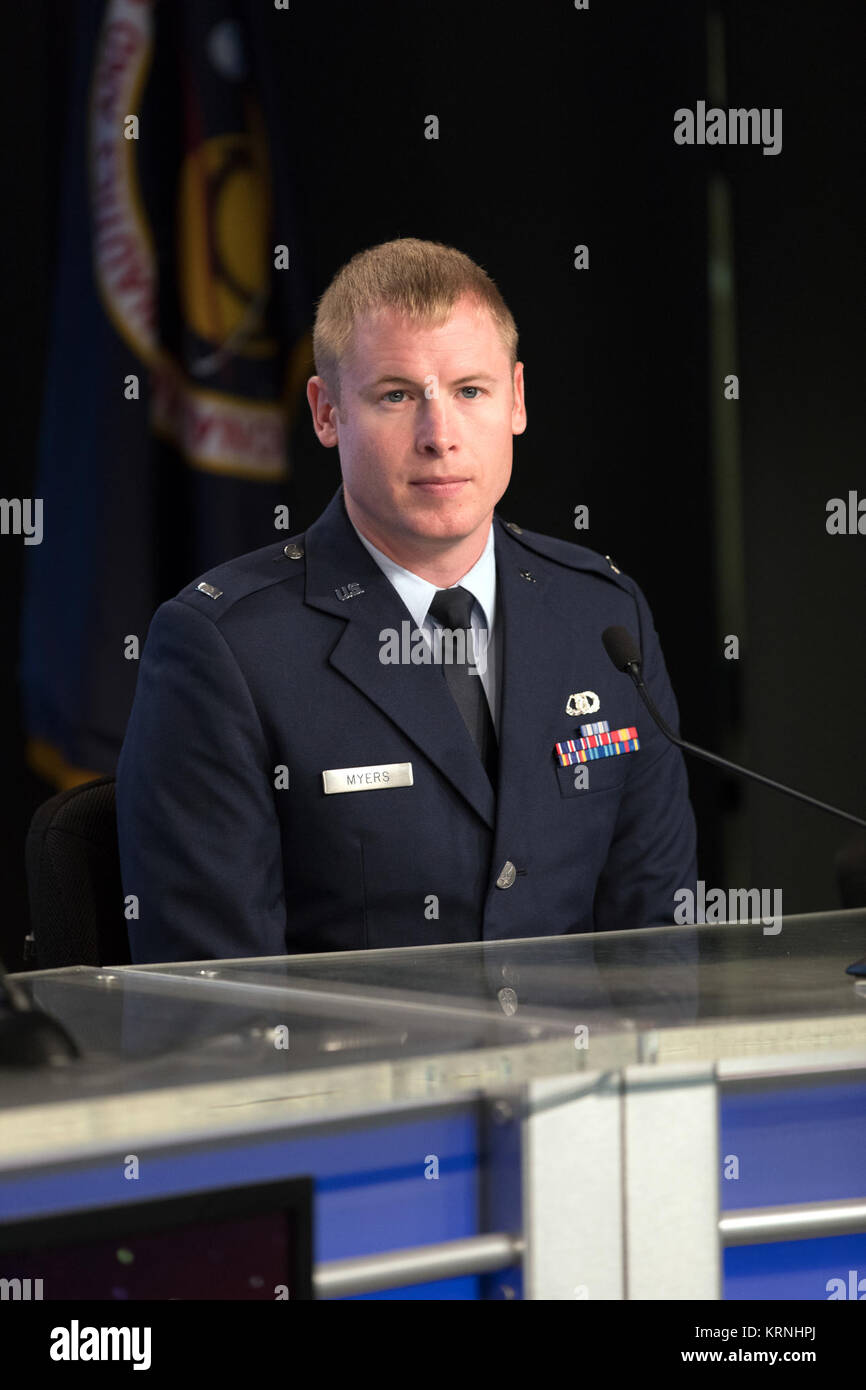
column 624, row 652
column 29, row 1037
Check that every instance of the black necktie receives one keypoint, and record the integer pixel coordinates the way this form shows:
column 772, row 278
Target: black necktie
column 452, row 608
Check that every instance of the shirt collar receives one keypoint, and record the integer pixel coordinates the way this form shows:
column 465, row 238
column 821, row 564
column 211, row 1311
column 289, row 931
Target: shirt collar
column 417, row 593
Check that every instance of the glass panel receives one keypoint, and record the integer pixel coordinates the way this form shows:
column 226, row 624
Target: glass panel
column 656, row 977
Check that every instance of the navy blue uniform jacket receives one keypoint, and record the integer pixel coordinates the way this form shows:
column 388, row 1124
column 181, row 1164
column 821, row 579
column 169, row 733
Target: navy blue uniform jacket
column 278, row 671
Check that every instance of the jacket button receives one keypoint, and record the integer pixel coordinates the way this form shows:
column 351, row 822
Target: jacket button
column 292, row 551
column 507, row 875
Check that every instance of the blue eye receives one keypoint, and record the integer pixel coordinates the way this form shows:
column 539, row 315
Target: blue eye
column 399, row 391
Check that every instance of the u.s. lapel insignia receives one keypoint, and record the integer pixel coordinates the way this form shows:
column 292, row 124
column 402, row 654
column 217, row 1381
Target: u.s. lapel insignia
column 348, row 590
column 583, row 702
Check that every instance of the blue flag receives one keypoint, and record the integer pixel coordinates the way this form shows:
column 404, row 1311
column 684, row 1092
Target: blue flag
column 178, row 346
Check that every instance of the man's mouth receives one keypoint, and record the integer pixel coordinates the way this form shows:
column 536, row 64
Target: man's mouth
column 440, row 487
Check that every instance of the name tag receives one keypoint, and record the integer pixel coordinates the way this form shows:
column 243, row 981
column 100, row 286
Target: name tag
column 366, row 779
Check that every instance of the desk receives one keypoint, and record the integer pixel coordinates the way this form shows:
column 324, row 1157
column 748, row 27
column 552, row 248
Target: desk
column 603, row 1117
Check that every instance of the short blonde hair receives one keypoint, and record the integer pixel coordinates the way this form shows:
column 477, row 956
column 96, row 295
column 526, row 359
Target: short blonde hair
column 421, row 279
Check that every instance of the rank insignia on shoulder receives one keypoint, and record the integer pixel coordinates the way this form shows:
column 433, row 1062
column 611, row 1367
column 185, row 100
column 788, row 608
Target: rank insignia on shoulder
column 590, row 747
column 612, row 565
column 209, row 590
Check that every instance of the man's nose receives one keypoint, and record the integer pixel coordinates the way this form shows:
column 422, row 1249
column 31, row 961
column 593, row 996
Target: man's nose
column 437, row 427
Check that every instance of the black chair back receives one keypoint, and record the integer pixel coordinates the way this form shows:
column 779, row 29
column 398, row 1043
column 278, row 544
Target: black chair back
column 73, row 881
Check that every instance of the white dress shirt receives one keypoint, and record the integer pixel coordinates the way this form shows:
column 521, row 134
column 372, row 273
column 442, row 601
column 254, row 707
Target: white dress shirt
column 417, row 594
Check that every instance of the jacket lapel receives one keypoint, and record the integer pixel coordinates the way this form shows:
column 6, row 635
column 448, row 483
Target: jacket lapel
column 421, row 707
column 531, row 666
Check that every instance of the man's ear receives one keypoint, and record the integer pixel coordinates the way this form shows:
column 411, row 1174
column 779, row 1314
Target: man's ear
column 324, row 411
column 518, row 406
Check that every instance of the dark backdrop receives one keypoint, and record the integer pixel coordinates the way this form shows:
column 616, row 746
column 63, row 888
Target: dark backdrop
column 556, row 128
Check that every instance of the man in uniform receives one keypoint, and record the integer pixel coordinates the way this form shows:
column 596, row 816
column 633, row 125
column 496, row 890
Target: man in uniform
column 401, row 728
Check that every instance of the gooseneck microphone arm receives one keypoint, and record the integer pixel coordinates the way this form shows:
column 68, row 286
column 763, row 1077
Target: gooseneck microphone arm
column 625, row 655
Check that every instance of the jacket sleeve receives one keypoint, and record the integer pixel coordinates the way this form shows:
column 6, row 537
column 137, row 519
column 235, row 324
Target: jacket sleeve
column 197, row 824
column 654, row 848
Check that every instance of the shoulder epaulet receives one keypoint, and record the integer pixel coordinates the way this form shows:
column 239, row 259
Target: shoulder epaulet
column 577, row 557
column 247, row 574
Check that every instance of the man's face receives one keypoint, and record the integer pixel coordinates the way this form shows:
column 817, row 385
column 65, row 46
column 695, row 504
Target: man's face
column 424, row 426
